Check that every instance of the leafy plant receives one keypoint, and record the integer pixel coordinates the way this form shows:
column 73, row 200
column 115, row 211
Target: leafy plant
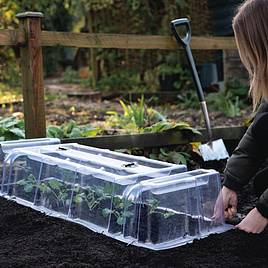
column 169, row 125
column 135, row 116
column 231, row 100
column 50, row 187
column 236, row 88
column 28, row 184
column 58, row 189
column 138, row 118
column 92, row 195
column 70, row 76
column 120, row 80
column 171, row 67
column 71, row 130
column 11, row 128
column 171, row 156
column 188, row 100
column 153, row 208
column 223, row 101
column 120, row 208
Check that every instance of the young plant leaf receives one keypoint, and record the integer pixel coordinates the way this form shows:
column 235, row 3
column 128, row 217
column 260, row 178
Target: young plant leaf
column 106, row 212
column 54, row 184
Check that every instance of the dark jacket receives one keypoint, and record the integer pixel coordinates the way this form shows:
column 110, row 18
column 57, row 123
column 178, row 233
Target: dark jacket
column 249, row 156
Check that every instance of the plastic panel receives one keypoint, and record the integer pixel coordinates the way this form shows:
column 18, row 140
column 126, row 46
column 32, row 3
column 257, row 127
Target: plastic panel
column 136, row 200
column 174, row 210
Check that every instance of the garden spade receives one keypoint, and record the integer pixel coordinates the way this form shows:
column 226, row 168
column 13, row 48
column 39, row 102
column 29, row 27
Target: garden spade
column 213, row 150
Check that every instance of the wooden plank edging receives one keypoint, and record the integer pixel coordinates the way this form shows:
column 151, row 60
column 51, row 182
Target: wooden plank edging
column 167, row 138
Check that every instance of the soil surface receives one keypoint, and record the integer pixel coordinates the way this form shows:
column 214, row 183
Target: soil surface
column 62, row 106
column 32, row 239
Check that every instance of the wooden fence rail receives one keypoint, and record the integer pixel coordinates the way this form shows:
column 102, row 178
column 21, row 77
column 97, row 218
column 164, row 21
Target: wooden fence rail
column 128, row 41
column 120, row 41
column 30, row 38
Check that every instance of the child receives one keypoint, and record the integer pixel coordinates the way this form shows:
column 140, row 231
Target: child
column 251, row 33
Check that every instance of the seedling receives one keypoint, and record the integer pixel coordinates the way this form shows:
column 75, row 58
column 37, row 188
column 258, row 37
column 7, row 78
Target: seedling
column 57, row 189
column 153, row 205
column 28, row 184
column 91, row 195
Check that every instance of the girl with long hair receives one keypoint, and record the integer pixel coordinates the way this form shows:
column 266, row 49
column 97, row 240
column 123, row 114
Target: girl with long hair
column 248, row 160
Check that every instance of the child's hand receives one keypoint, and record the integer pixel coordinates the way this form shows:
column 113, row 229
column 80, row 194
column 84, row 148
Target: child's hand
column 227, row 202
column 229, row 198
column 254, row 222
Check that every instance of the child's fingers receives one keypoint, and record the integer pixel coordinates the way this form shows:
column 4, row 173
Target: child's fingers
column 233, row 210
column 226, row 215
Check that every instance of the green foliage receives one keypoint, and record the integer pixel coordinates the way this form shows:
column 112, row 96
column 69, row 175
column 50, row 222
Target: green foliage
column 120, row 81
column 94, row 16
column 28, row 184
column 135, row 117
column 58, row 16
column 237, row 89
column 171, row 156
column 169, row 125
column 11, row 128
column 120, row 209
column 231, row 100
column 58, row 189
column 70, row 76
column 93, row 196
column 60, row 193
column 138, row 118
column 223, row 101
column 153, row 208
column 188, row 100
column 96, row 5
column 172, row 65
column 71, row 130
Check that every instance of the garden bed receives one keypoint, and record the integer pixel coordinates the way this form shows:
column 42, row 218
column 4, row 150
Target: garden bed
column 32, row 239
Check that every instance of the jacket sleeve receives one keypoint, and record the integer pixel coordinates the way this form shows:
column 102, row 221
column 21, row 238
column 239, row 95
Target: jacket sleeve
column 246, row 158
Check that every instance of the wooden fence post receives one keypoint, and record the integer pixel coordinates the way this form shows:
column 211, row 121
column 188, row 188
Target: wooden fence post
column 32, row 75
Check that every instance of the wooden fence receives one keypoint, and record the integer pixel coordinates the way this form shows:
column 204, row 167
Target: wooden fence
column 30, row 38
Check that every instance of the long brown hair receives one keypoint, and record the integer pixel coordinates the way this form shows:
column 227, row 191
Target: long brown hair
column 251, row 33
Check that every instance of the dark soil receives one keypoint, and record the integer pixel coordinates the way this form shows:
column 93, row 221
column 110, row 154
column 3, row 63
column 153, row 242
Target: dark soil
column 63, row 104
column 32, row 239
